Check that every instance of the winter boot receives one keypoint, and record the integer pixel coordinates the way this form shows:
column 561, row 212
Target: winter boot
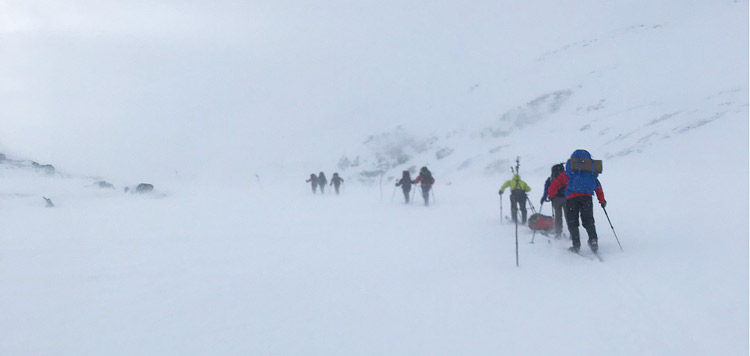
column 576, row 246
column 594, row 245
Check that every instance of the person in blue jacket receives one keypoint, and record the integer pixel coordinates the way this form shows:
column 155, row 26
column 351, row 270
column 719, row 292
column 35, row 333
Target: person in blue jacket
column 581, row 186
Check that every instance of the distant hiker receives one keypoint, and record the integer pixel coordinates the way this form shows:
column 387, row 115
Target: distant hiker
column 314, row 181
column 405, row 184
column 336, row 182
column 557, row 200
column 49, row 202
column 518, row 190
column 322, row 181
column 425, row 181
column 581, row 185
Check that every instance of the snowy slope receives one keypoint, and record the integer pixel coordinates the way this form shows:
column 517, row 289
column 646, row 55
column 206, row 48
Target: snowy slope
column 616, row 92
column 219, row 262
column 280, row 271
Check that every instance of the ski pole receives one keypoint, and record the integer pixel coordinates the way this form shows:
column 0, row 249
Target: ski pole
column 501, row 209
column 432, row 191
column 613, row 228
column 517, row 243
column 413, row 193
column 530, row 204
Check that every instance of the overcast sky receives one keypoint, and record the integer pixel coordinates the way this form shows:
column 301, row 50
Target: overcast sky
column 129, row 88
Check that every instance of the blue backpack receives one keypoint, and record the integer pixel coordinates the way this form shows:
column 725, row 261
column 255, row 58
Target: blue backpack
column 581, row 180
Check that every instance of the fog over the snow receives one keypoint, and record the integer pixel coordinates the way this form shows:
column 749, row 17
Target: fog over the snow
column 141, row 89
column 197, row 97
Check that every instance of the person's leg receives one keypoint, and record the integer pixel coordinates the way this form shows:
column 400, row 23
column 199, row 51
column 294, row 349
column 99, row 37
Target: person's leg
column 572, row 210
column 426, row 195
column 522, row 202
column 513, row 207
column 558, row 203
column 587, row 220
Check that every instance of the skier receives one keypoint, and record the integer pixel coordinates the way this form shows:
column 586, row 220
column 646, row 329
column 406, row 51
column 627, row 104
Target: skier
column 314, row 180
column 581, row 185
column 426, row 181
column 336, row 182
column 558, row 200
column 405, row 184
column 322, row 181
column 518, row 190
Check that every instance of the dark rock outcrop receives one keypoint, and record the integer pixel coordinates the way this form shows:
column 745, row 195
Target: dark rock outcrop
column 104, row 184
column 144, row 188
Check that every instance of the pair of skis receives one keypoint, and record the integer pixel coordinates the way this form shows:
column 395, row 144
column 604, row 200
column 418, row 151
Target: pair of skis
column 596, row 255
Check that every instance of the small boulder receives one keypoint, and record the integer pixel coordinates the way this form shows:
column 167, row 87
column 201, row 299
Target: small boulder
column 144, row 188
column 104, row 184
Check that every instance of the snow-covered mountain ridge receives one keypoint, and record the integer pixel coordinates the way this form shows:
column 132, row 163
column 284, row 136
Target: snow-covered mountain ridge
column 616, row 94
column 545, row 120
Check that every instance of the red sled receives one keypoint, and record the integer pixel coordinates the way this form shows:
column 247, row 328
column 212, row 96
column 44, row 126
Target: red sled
column 541, row 222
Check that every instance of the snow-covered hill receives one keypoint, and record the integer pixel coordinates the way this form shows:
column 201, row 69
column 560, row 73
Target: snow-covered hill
column 620, row 92
column 221, row 261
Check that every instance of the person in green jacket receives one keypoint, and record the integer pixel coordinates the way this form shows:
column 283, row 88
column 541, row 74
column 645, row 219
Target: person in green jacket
column 518, row 190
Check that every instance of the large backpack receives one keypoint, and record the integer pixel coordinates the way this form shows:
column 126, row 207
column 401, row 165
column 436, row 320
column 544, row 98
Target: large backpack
column 557, row 170
column 426, row 176
column 582, row 172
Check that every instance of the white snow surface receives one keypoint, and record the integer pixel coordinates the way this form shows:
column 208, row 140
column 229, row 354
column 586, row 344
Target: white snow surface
column 273, row 270
column 218, row 262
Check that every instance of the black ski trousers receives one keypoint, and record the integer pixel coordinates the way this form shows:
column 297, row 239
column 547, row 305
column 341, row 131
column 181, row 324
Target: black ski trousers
column 558, row 204
column 406, row 193
column 426, row 195
column 580, row 206
column 518, row 199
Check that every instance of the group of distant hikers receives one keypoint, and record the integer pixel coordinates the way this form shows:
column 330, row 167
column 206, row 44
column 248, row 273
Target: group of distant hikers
column 425, row 181
column 570, row 189
column 320, row 181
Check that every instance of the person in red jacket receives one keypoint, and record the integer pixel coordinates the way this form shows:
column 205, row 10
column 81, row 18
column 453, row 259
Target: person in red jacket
column 578, row 200
column 314, row 180
column 426, row 181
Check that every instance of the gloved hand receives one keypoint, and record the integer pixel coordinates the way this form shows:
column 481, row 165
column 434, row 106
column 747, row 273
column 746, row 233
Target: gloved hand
column 603, row 204
column 541, row 202
column 500, row 192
